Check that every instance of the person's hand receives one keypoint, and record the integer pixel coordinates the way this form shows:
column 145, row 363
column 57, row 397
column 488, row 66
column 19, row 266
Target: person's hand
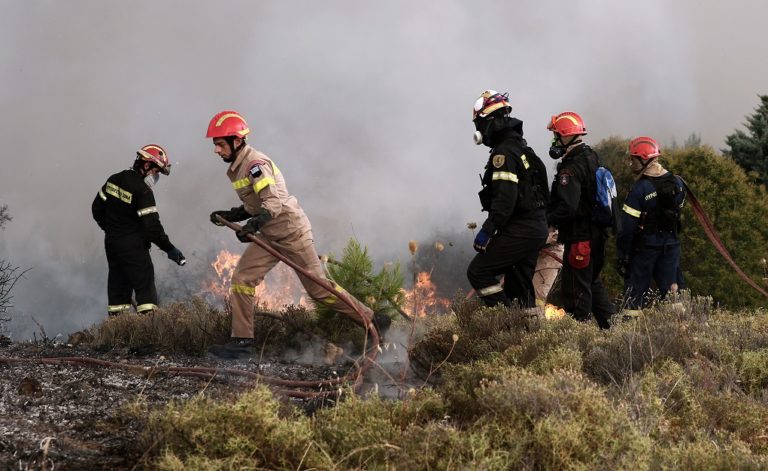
column 250, row 227
column 482, row 239
column 176, row 255
column 223, row 213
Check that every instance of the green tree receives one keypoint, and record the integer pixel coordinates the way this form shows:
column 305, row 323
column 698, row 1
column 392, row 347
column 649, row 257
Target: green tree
column 750, row 149
column 737, row 207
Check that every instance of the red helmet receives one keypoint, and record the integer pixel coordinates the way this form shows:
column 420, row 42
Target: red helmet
column 227, row 123
column 567, row 124
column 157, row 155
column 644, row 147
column 490, row 101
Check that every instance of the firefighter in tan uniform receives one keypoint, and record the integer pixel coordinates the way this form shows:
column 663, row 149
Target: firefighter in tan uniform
column 274, row 213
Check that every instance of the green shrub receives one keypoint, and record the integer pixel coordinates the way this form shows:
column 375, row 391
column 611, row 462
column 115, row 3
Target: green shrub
column 754, row 371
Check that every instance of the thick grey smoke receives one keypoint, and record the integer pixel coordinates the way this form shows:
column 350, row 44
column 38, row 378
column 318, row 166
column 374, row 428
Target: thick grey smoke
column 365, row 106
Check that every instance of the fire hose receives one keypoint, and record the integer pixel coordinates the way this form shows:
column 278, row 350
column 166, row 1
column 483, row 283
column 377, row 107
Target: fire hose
column 286, row 387
column 714, row 237
column 370, row 352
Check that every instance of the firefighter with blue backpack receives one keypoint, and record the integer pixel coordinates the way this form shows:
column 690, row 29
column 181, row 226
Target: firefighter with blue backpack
column 648, row 245
column 582, row 223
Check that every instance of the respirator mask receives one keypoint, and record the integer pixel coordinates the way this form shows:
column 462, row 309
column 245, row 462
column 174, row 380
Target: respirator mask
column 483, row 131
column 151, row 180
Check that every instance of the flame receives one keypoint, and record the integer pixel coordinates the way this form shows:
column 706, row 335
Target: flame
column 552, row 312
column 280, row 287
column 422, row 300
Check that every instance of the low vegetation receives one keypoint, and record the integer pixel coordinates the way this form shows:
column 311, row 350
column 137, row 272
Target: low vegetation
column 685, row 387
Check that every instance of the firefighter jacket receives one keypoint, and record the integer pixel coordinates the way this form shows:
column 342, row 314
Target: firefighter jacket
column 261, row 187
column 125, row 207
column 515, row 186
column 573, row 196
column 642, row 221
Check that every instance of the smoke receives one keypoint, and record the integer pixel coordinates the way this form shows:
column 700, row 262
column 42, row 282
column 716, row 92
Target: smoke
column 364, row 106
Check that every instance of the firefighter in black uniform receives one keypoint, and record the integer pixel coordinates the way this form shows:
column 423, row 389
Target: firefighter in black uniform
column 570, row 211
column 515, row 193
column 125, row 210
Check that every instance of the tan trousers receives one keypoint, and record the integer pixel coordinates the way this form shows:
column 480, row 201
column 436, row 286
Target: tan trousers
column 254, row 265
column 546, row 272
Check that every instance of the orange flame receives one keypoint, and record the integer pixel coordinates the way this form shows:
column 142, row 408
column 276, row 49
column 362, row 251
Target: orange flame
column 280, row 287
column 552, row 312
column 422, row 300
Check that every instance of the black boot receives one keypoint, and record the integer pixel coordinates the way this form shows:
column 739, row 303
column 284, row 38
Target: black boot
column 234, row 349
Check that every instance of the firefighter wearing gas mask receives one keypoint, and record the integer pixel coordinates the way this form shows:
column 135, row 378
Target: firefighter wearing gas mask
column 648, row 246
column 275, row 214
column 515, row 193
column 125, row 209
column 570, row 208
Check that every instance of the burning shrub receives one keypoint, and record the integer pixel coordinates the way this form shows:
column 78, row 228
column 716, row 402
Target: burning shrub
column 182, row 327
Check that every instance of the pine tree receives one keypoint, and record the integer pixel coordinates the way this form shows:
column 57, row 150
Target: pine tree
column 382, row 291
column 750, row 150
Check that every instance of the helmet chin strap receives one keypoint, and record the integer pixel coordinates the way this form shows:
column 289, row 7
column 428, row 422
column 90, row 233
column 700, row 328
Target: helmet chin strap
column 233, row 155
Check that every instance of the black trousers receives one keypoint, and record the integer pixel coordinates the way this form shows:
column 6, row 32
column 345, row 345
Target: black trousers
column 582, row 291
column 130, row 270
column 513, row 257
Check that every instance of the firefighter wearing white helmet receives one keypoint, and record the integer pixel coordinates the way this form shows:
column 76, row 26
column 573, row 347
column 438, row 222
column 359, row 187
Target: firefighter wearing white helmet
column 515, row 194
column 276, row 215
column 125, row 209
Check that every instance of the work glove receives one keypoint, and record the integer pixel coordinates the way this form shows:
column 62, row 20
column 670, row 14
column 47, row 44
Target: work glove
column 622, row 267
column 176, row 255
column 236, row 214
column 250, row 227
column 223, row 213
column 482, row 239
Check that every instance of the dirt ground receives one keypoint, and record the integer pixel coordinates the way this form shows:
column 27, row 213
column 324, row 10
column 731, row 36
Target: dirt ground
column 68, row 417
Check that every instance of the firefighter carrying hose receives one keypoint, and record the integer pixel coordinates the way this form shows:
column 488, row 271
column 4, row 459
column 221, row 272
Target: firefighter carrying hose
column 570, row 211
column 515, row 193
column 125, row 210
column 275, row 214
column 648, row 245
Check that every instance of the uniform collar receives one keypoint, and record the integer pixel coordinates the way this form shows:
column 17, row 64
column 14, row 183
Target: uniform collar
column 241, row 157
column 653, row 169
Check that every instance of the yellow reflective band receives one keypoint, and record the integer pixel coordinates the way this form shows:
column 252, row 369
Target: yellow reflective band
column 224, row 117
column 489, row 290
column 145, row 307
column 102, row 195
column 569, row 118
column 242, row 183
column 119, row 193
column 145, row 211
column 118, row 307
column 243, row 289
column 525, row 162
column 508, row 176
column 275, row 170
column 263, row 183
column 631, row 211
column 333, row 298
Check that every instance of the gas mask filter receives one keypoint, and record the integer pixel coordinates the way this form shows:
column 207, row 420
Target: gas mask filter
column 151, row 180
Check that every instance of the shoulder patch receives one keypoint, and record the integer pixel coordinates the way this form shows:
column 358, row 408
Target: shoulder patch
column 255, row 170
column 564, row 178
column 498, row 160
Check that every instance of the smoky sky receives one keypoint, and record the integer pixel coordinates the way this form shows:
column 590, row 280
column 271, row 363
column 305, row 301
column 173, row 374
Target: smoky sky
column 365, row 106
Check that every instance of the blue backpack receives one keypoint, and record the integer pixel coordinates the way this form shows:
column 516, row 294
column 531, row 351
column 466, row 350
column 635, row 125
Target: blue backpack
column 605, row 213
